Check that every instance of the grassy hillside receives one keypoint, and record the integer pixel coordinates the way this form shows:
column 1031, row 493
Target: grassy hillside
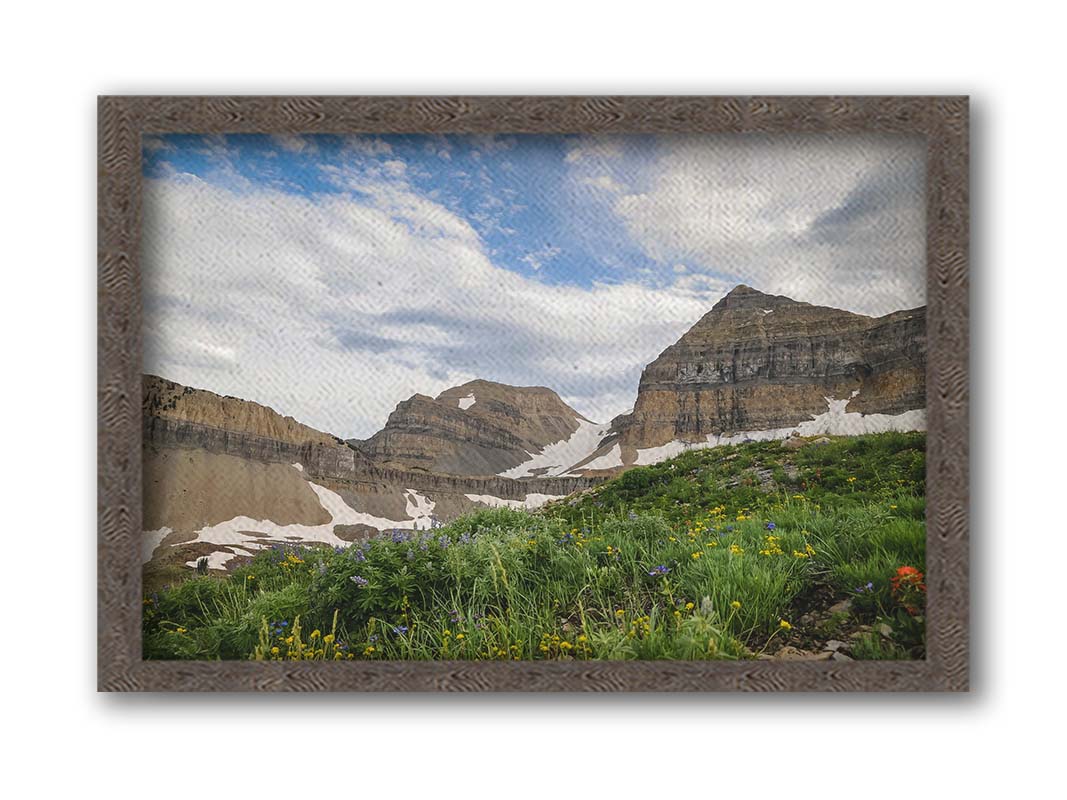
column 736, row 552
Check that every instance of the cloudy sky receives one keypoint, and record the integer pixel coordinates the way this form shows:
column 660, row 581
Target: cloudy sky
column 331, row 277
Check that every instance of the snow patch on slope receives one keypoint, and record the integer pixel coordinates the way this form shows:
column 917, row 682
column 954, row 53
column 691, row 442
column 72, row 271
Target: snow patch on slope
column 216, row 560
column 557, row 458
column 253, row 534
column 419, row 508
column 466, row 402
column 835, row 422
column 532, row 501
column 610, row 460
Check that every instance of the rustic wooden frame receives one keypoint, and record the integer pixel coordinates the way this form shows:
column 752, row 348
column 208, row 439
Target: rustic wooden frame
column 122, row 121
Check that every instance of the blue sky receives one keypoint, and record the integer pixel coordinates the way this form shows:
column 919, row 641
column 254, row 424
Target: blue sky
column 331, row 277
column 508, row 188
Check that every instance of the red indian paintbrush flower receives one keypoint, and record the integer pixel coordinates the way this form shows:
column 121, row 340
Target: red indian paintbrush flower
column 908, row 588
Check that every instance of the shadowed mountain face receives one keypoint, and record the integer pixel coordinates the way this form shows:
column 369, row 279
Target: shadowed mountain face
column 479, row 428
column 224, row 477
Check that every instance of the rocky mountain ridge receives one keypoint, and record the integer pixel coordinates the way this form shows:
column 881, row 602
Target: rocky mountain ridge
column 224, row 476
column 757, row 362
column 478, row 428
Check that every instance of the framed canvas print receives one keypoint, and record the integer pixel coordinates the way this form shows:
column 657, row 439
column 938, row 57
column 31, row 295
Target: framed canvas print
column 533, row 393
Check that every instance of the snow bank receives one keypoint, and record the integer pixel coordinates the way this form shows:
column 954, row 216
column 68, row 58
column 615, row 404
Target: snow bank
column 559, row 457
column 532, row 501
column 610, row 460
column 835, row 422
column 216, row 560
column 467, row 402
column 256, row 534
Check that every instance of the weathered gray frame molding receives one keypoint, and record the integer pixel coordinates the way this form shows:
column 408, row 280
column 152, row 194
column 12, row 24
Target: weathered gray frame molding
column 943, row 121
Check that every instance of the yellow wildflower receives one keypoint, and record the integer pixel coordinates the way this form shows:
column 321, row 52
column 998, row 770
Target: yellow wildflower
column 784, row 625
column 735, row 604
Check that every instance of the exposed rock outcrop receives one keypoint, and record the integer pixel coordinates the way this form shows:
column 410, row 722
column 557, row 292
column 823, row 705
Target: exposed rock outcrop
column 758, row 362
column 479, row 428
column 223, row 477
column 164, row 399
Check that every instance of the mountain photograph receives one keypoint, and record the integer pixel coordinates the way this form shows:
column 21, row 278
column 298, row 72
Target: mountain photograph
column 534, row 397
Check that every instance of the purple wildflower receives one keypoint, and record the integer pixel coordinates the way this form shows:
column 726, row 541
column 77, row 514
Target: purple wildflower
column 359, row 580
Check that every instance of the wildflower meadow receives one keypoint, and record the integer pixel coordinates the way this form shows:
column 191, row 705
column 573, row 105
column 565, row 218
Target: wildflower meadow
column 747, row 551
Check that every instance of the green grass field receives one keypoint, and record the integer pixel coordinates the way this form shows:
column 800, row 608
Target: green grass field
column 733, row 552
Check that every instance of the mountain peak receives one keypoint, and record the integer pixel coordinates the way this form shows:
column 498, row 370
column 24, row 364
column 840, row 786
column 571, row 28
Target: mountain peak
column 742, row 296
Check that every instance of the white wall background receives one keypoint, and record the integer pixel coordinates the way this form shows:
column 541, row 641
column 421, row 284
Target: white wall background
column 63, row 737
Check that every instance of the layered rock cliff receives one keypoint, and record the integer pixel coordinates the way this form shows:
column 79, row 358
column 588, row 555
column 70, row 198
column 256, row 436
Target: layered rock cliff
column 757, row 362
column 164, row 399
column 479, row 428
column 223, row 477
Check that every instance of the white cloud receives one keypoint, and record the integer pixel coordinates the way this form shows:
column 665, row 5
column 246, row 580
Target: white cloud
column 366, row 145
column 538, row 258
column 593, row 148
column 605, row 182
column 834, row 220
column 334, row 309
column 294, row 143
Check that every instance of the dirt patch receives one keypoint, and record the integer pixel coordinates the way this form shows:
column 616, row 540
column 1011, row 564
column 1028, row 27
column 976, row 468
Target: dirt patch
column 188, row 489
